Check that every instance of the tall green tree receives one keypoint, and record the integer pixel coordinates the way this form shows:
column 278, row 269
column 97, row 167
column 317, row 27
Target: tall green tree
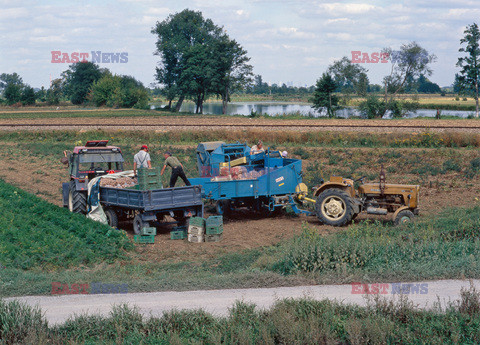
column 469, row 75
column 28, row 95
column 12, row 93
column 179, row 38
column 198, row 60
column 55, row 92
column 6, row 79
column 410, row 61
column 78, row 80
column 323, row 96
column 349, row 77
column 233, row 73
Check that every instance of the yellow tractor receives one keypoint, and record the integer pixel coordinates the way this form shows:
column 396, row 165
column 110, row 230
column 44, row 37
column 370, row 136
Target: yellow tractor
column 337, row 202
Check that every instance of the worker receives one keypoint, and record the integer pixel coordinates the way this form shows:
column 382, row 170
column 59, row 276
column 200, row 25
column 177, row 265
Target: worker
column 256, row 149
column 142, row 160
column 177, row 169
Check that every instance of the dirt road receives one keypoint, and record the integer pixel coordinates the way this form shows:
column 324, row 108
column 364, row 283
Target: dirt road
column 58, row 308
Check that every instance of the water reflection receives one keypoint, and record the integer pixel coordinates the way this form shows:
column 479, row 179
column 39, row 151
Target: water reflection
column 276, row 109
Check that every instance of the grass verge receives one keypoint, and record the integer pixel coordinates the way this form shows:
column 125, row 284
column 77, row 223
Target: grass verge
column 289, row 321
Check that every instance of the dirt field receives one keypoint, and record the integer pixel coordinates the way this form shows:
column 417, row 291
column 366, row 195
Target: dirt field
column 42, row 175
column 207, row 122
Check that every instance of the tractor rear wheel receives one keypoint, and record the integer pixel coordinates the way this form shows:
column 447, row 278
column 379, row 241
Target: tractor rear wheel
column 139, row 224
column 112, row 217
column 77, row 201
column 334, row 207
column 405, row 216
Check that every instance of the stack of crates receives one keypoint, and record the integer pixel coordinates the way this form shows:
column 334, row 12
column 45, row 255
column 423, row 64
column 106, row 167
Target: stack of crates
column 149, row 179
column 214, row 229
column 147, row 235
column 178, row 233
column 196, row 229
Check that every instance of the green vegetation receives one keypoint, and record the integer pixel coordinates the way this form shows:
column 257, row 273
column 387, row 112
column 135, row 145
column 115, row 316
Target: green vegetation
column 288, row 321
column 446, row 245
column 37, row 234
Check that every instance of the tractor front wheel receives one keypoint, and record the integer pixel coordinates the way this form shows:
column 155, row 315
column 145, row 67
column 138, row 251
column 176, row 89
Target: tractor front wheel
column 405, row 216
column 77, row 201
column 334, row 207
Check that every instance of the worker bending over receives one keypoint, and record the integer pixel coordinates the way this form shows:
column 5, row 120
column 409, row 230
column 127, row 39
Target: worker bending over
column 177, row 169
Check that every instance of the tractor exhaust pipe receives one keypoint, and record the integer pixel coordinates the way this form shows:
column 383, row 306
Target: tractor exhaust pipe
column 377, row 210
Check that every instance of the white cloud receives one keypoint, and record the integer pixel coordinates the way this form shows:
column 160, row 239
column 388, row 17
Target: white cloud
column 340, row 9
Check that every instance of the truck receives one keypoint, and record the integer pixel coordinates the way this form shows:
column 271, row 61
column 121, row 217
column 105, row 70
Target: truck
column 143, row 207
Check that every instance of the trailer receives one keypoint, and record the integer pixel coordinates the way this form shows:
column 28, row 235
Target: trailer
column 232, row 178
column 149, row 207
column 143, row 207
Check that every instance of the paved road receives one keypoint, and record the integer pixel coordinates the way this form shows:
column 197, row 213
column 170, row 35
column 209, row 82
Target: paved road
column 58, row 308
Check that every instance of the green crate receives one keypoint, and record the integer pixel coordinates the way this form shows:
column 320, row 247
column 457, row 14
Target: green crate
column 213, row 221
column 213, row 238
column 178, row 234
column 214, row 230
column 196, row 221
column 144, row 173
column 148, row 231
column 144, row 239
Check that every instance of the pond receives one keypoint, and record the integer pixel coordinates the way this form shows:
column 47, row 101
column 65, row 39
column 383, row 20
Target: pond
column 279, row 108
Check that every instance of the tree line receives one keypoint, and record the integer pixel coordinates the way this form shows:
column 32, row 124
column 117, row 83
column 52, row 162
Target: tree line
column 81, row 83
column 409, row 71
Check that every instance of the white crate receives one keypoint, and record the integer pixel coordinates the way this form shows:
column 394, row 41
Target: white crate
column 195, row 238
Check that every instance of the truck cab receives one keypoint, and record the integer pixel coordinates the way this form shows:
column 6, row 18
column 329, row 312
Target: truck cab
column 86, row 162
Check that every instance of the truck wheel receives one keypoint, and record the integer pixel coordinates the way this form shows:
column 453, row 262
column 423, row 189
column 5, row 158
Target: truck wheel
column 223, row 207
column 139, row 224
column 77, row 201
column 334, row 207
column 405, row 216
column 112, row 217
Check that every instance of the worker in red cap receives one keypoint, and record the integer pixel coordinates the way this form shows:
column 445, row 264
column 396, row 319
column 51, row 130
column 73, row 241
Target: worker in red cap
column 141, row 160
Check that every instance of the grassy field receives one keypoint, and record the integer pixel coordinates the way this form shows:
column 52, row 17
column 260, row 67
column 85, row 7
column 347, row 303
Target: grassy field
column 301, row 321
column 37, row 234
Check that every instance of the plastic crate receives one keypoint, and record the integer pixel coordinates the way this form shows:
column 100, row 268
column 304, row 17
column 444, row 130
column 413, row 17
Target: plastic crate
column 214, row 221
column 214, row 230
column 196, row 221
column 144, row 239
column 149, row 179
column 196, row 230
column 178, row 234
column 195, row 238
column 148, row 231
column 213, row 238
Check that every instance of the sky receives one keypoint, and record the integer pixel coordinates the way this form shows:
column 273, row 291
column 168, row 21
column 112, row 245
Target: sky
column 288, row 41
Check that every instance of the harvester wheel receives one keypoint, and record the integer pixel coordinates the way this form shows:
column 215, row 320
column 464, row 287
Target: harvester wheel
column 77, row 201
column 334, row 207
column 139, row 224
column 223, row 207
column 405, row 216
column 112, row 217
